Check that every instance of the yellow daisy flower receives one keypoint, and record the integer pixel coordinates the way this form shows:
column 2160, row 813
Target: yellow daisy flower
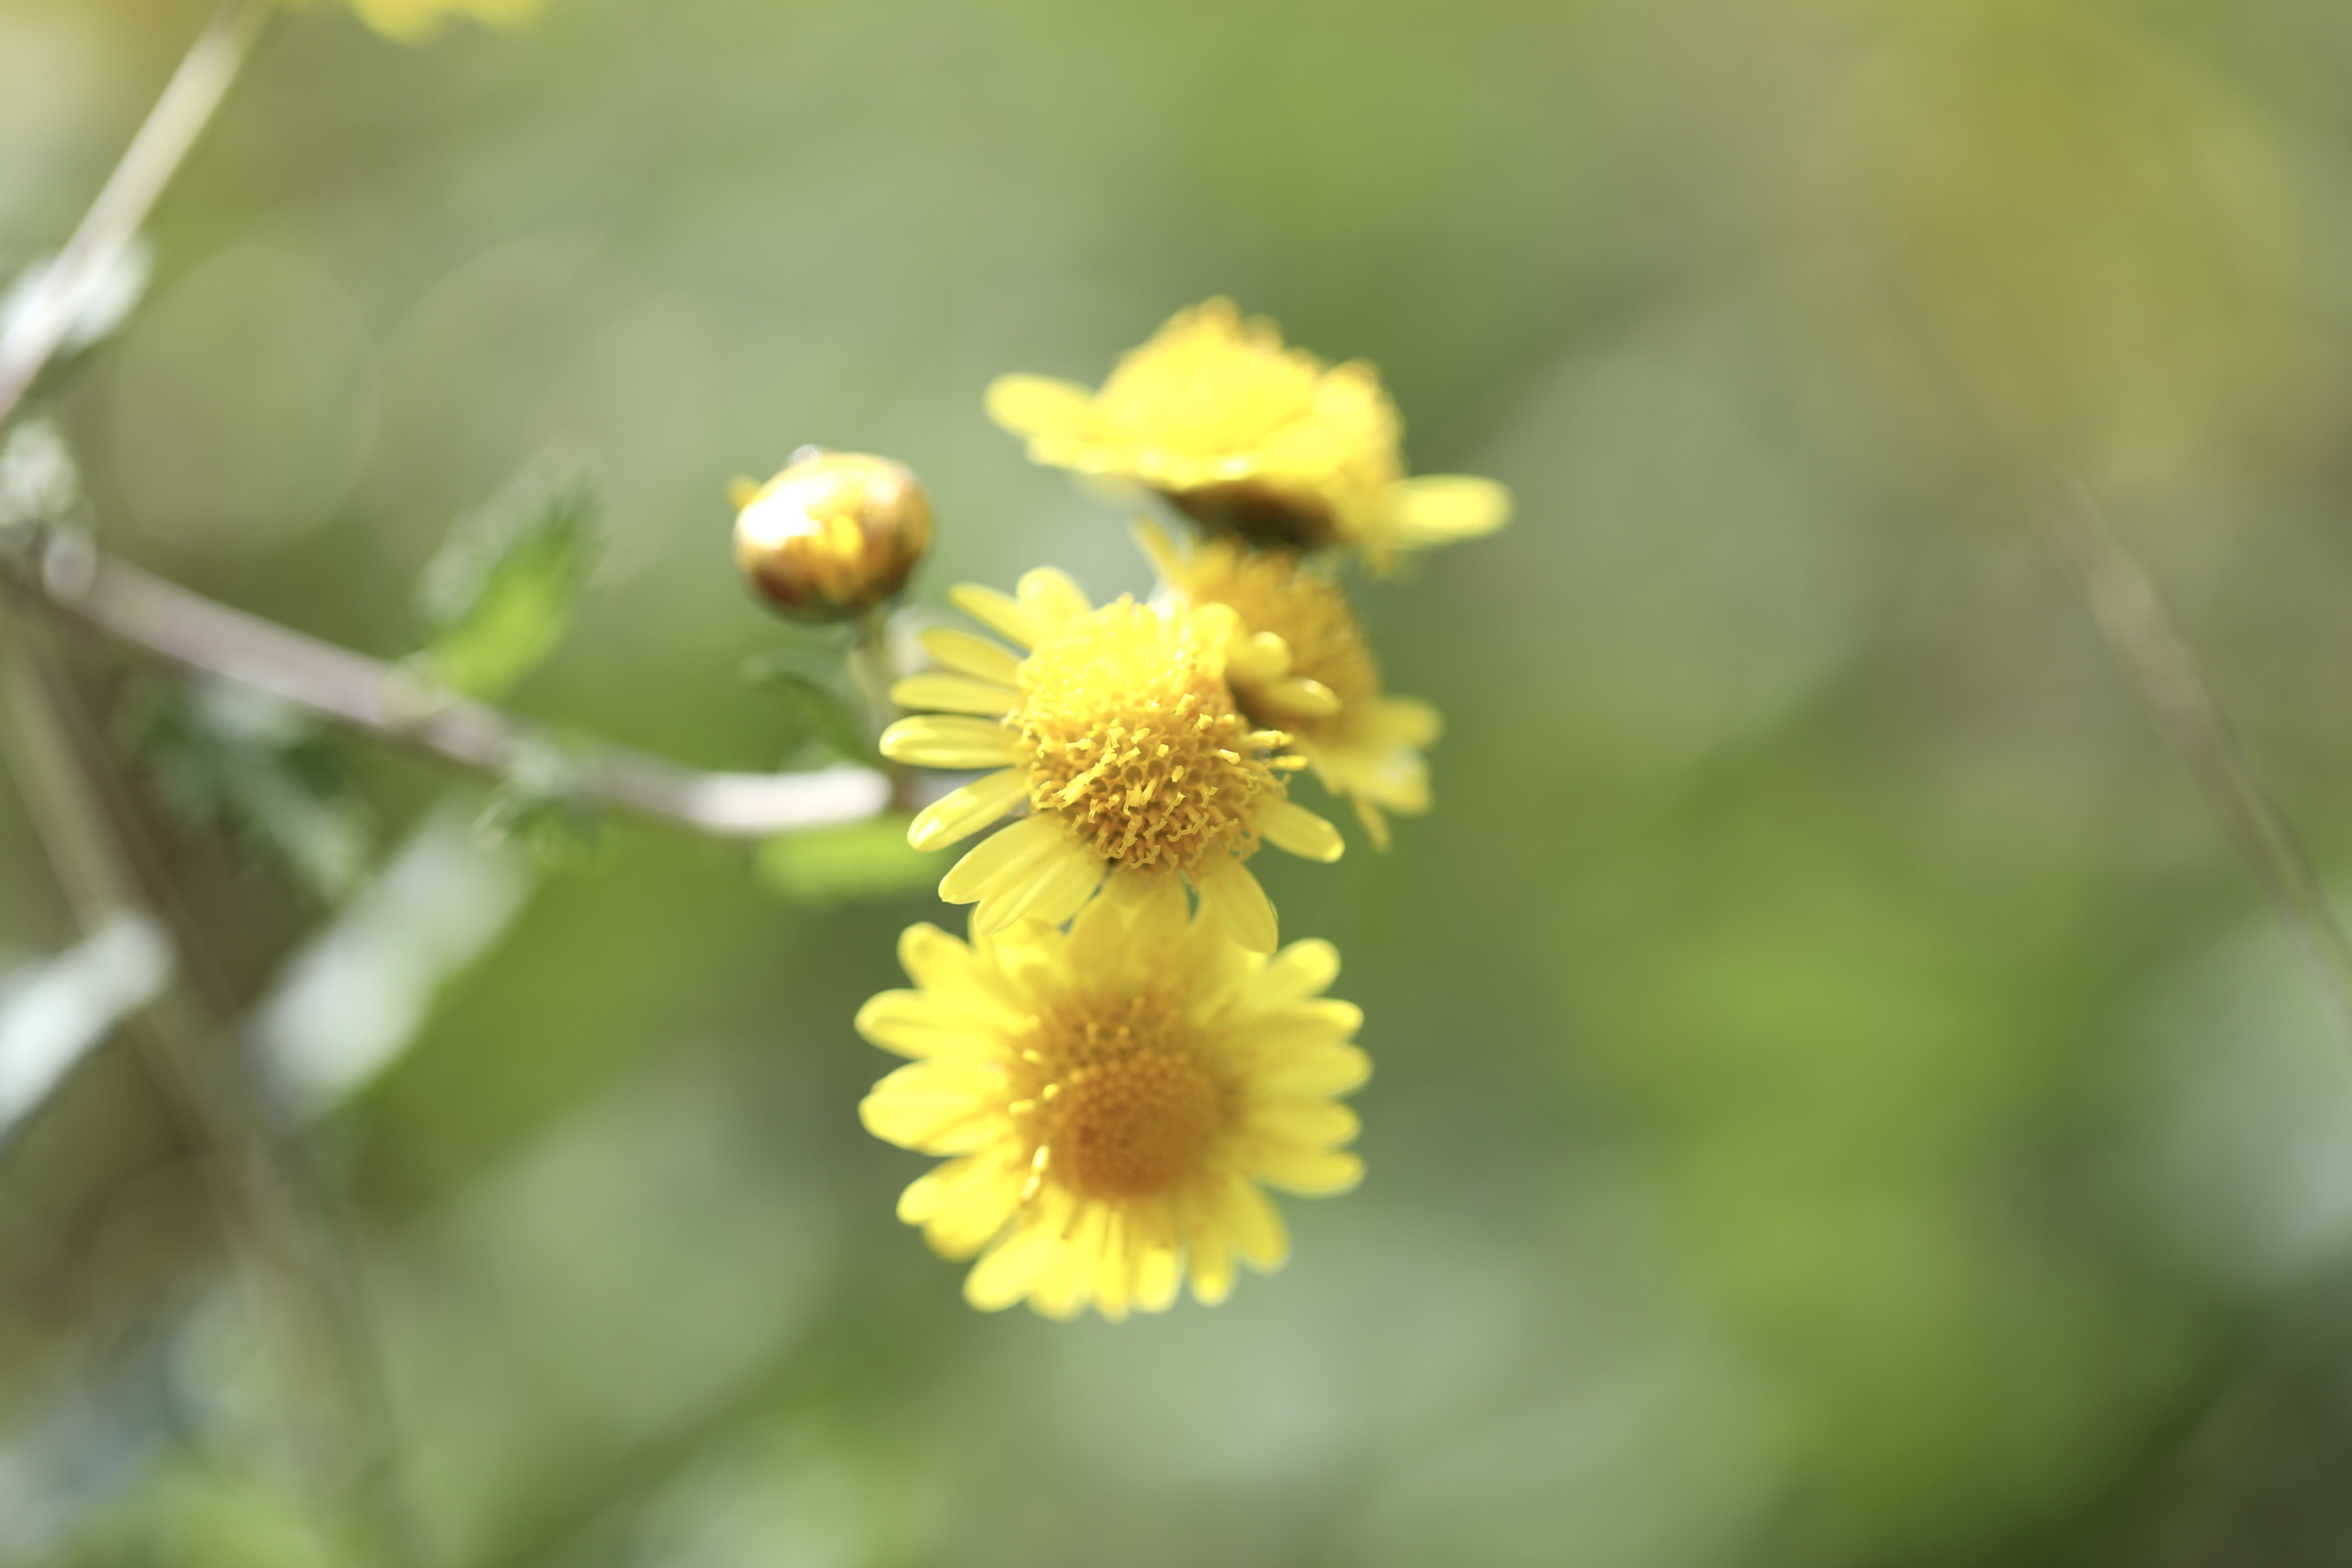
column 1249, row 437
column 1110, row 1098
column 1301, row 661
column 1119, row 735
column 411, row 20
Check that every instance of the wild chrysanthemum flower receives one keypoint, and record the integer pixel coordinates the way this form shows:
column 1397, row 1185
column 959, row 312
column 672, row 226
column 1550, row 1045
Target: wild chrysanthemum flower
column 1112, row 1098
column 410, row 20
column 1302, row 662
column 1246, row 437
column 1119, row 733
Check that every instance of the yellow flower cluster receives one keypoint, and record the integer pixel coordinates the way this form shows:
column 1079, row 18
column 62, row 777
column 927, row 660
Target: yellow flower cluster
column 1124, row 1050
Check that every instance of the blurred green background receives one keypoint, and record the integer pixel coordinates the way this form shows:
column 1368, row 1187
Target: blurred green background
column 1838, row 1099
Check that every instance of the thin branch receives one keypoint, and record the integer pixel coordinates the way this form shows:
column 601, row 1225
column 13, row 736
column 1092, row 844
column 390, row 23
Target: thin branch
column 284, row 1228
column 2126, row 605
column 162, row 618
column 113, row 221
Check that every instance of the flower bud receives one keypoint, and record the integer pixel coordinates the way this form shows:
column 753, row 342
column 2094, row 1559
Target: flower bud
column 833, row 535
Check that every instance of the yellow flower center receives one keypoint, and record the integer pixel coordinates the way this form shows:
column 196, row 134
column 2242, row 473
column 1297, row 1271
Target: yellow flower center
column 1270, row 593
column 1119, row 1099
column 1139, row 1125
column 1132, row 737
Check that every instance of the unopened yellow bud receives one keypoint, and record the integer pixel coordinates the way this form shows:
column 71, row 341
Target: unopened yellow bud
column 833, row 535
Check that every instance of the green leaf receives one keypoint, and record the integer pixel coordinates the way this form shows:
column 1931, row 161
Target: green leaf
column 499, row 596
column 233, row 759
column 542, row 808
column 824, row 866
column 813, row 704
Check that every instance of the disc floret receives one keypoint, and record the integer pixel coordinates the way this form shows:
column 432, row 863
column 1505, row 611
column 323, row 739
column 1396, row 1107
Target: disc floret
column 1300, row 659
column 1113, row 1097
column 1122, row 739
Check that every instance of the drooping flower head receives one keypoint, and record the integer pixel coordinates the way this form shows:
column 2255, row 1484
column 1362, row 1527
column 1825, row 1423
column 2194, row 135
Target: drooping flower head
column 1249, row 437
column 1119, row 735
column 1301, row 662
column 1111, row 1097
column 411, row 21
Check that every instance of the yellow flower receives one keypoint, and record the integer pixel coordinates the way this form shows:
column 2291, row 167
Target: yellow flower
column 1118, row 733
column 1111, row 1098
column 1301, row 661
column 410, row 20
column 1249, row 437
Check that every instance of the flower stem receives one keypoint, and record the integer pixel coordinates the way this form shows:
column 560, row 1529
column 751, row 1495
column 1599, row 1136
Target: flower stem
column 67, row 571
column 285, row 1231
column 171, row 130
column 2126, row 605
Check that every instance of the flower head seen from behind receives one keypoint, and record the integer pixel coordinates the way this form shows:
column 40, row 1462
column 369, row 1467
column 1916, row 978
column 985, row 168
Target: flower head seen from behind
column 1249, row 437
column 1120, row 736
column 833, row 535
column 411, row 21
column 1110, row 1098
column 1301, row 662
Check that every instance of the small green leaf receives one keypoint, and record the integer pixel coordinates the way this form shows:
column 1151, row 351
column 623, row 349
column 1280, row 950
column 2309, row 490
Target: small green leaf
column 233, row 759
column 813, row 704
column 542, row 808
column 822, row 867
column 499, row 596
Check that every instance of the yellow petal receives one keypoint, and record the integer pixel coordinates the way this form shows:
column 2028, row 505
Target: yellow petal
column 1260, row 659
column 1303, row 969
column 1050, row 599
column 1165, row 557
column 968, row 1212
column 1159, row 1270
column 1286, row 825
column 935, row 1107
column 1251, row 1224
column 1039, row 404
column 1310, row 1172
column 1376, row 825
column 1000, row 613
column 1308, row 698
column 1408, row 721
column 1212, row 1269
column 954, row 973
column 1231, row 894
column 1157, row 910
column 960, row 813
column 1054, row 887
column 1004, row 1275
column 1438, row 508
column 1000, row 858
column 1322, row 1021
column 1099, row 934
column 941, row 693
column 1318, row 1069
column 1309, row 1122
column 968, row 655
column 917, row 1023
column 949, row 740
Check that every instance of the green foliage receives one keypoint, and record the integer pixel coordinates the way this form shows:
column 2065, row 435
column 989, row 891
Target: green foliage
column 196, row 1511
column 499, row 596
column 232, row 760
column 824, row 866
column 541, row 808
column 825, row 724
